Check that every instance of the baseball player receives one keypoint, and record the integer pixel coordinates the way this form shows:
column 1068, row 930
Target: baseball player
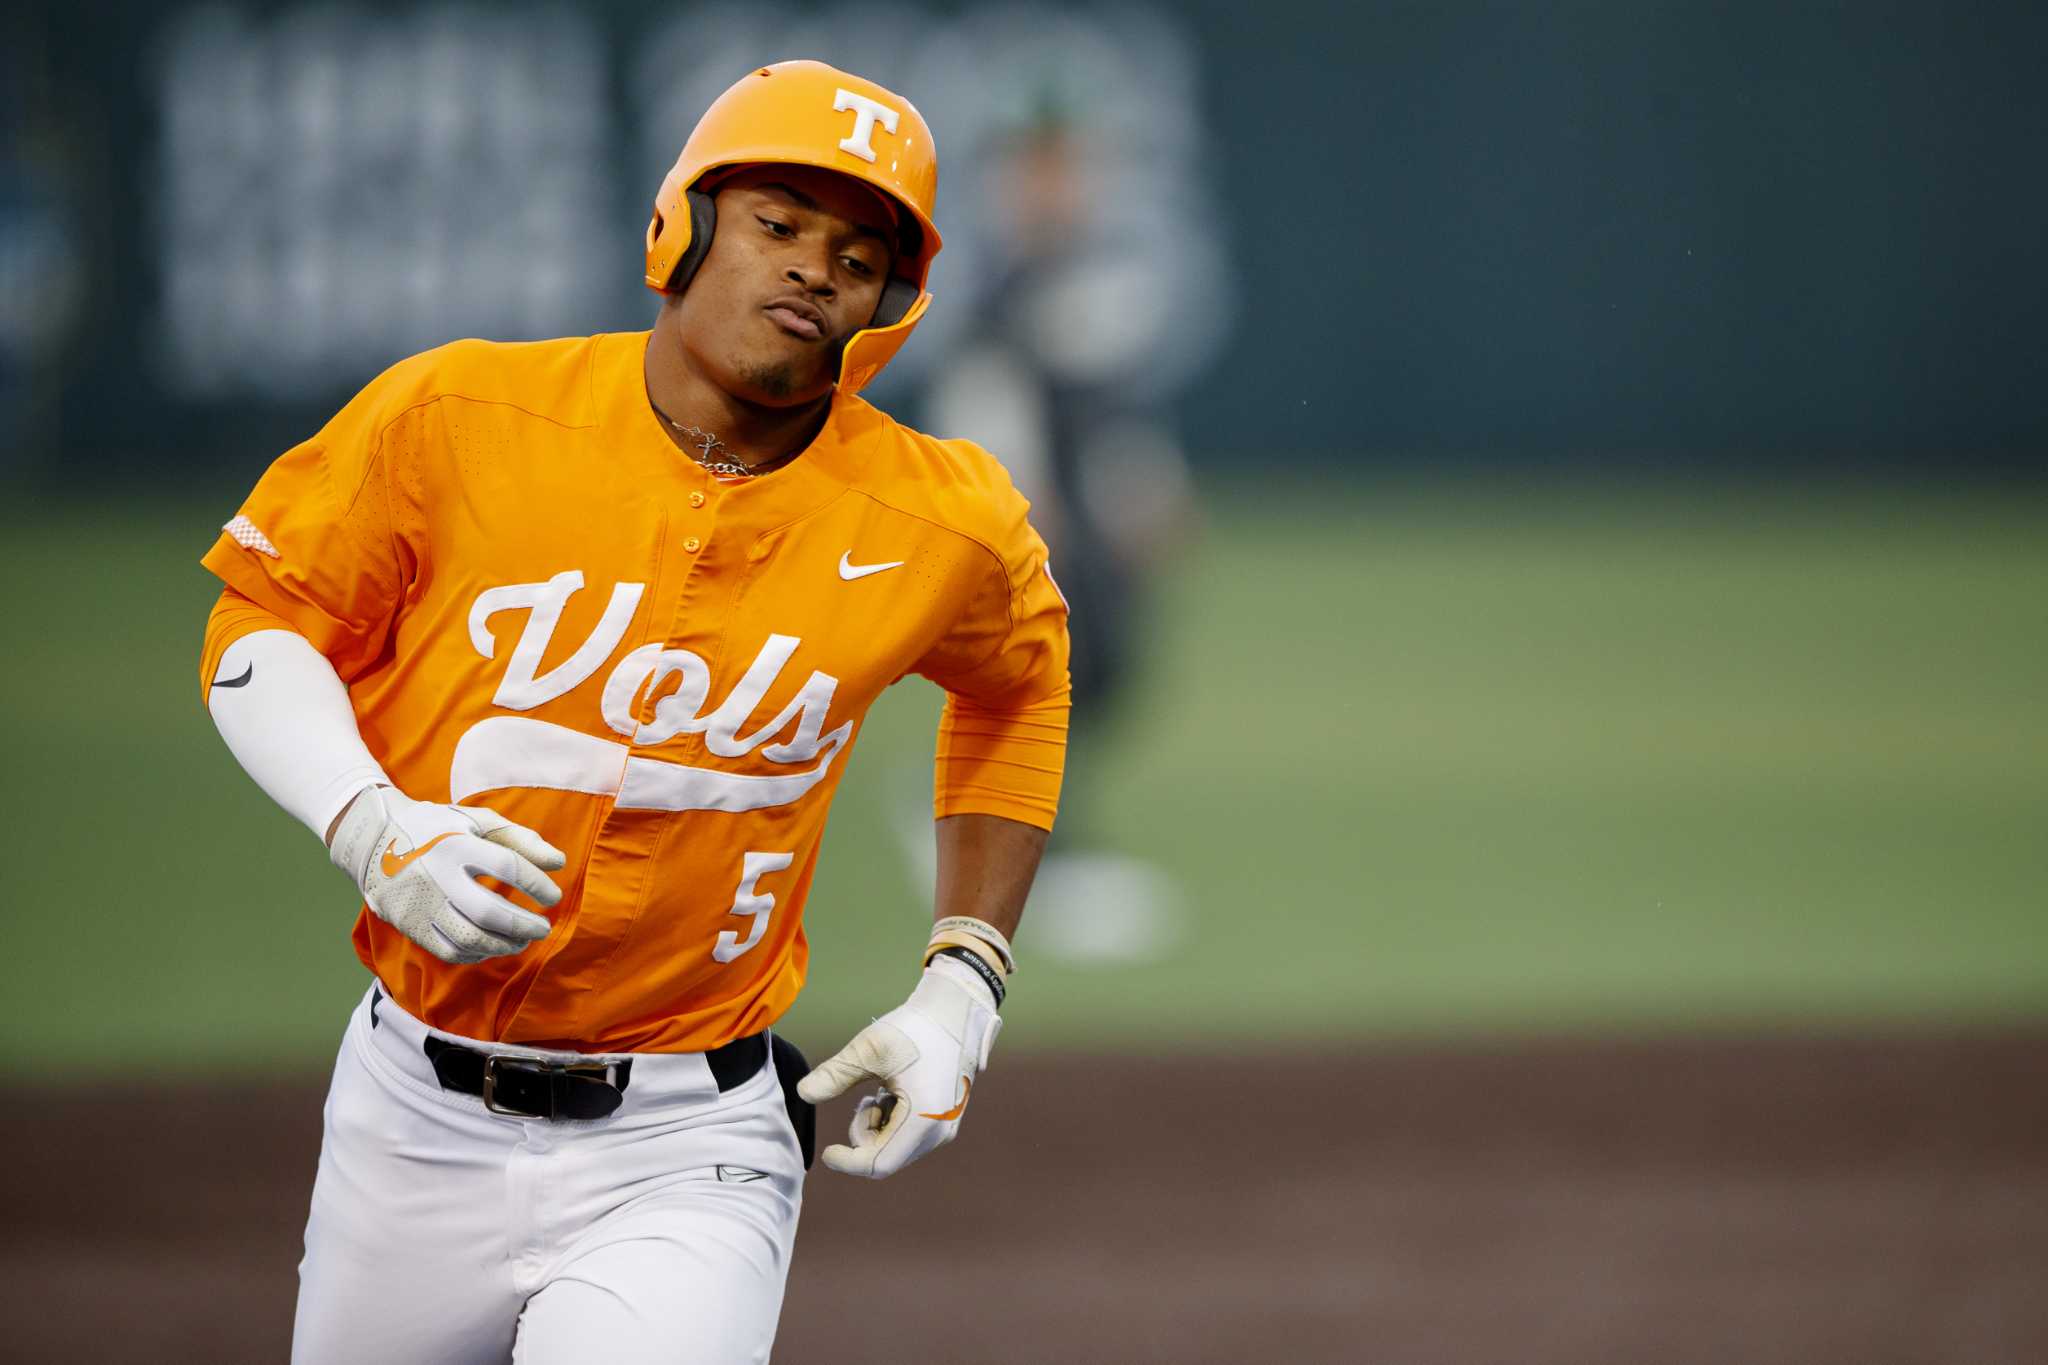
column 559, row 647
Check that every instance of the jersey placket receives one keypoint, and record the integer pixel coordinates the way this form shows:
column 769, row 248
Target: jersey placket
column 709, row 554
column 693, row 558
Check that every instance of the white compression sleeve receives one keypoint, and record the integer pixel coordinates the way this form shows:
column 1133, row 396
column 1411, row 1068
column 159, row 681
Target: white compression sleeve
column 285, row 715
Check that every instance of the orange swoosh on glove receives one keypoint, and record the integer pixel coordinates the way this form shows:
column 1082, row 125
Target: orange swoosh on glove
column 393, row 865
column 957, row 1110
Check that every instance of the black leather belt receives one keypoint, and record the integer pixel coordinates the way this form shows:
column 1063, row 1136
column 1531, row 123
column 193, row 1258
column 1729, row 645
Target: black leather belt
column 525, row 1087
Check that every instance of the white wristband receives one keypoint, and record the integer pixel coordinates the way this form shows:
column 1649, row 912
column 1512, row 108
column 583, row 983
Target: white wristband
column 285, row 715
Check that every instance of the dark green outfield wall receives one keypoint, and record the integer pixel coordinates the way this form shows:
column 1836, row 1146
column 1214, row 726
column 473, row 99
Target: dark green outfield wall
column 1701, row 232
column 1749, row 236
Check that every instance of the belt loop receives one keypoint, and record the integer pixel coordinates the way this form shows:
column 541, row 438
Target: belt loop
column 735, row 1063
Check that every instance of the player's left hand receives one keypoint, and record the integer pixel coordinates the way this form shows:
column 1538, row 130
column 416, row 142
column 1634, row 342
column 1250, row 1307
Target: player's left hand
column 926, row 1053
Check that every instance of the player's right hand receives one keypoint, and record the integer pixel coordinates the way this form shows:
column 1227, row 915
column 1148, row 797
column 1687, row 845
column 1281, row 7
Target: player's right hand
column 417, row 862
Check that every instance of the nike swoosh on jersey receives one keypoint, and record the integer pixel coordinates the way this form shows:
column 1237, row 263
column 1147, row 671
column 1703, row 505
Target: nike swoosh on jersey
column 242, row 681
column 849, row 570
column 393, row 863
column 957, row 1110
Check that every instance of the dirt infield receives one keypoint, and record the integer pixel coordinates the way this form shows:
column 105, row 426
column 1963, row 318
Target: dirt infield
column 1866, row 1201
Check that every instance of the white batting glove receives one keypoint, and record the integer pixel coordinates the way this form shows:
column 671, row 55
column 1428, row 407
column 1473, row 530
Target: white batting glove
column 926, row 1053
column 417, row 862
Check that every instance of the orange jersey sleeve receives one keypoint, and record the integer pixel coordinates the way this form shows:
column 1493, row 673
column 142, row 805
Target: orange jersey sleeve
column 1002, row 736
column 324, row 541
column 232, row 617
column 1004, row 761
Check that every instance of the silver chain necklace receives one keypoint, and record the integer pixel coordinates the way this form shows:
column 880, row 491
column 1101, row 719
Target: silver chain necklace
column 706, row 443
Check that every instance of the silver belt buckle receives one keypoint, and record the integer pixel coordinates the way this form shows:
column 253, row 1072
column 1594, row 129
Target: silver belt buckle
column 602, row 1071
column 491, row 1089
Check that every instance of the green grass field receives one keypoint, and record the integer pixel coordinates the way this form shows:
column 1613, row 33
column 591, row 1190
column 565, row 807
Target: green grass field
column 1423, row 761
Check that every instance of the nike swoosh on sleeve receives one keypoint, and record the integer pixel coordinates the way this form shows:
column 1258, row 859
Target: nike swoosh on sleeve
column 242, row 681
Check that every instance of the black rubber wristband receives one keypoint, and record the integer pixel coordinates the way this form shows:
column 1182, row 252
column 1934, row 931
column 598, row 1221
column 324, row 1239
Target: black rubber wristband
column 973, row 959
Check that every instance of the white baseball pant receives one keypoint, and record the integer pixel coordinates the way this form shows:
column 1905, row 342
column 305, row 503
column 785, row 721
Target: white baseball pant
column 441, row 1232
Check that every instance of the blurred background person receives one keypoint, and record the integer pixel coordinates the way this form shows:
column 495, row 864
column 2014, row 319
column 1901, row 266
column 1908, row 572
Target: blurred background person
column 1101, row 289
column 1068, row 365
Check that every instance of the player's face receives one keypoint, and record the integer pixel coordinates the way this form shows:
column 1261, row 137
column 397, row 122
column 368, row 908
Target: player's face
column 796, row 267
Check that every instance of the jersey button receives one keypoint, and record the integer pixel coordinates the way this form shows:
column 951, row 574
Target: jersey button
column 696, row 499
column 693, row 545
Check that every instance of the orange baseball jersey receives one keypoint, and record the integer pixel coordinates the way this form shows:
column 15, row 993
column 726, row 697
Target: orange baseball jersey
column 541, row 605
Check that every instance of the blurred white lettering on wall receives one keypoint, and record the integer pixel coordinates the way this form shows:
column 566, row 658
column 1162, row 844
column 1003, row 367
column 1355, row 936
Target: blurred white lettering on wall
column 340, row 187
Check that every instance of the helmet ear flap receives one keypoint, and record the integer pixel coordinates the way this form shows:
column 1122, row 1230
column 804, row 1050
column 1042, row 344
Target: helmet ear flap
column 703, row 222
column 897, row 296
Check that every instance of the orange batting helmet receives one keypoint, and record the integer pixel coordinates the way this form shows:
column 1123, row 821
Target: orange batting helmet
column 810, row 114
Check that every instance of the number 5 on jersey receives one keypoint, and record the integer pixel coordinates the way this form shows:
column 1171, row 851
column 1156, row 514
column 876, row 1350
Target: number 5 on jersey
column 751, row 902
